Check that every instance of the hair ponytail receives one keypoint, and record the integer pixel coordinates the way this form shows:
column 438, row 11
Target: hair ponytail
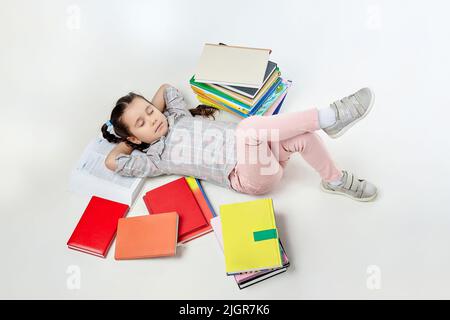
column 204, row 111
column 109, row 136
column 112, row 138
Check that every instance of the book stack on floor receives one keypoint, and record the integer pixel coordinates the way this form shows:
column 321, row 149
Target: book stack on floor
column 239, row 80
column 248, row 236
column 179, row 211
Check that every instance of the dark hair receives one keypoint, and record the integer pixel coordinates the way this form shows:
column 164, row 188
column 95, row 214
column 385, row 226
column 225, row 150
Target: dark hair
column 122, row 131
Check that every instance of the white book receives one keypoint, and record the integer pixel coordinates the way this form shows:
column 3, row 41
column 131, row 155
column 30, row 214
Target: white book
column 232, row 65
column 91, row 177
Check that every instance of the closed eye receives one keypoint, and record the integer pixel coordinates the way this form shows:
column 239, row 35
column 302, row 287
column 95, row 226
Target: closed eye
column 149, row 110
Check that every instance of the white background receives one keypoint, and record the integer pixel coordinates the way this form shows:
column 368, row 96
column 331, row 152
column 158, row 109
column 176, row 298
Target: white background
column 65, row 63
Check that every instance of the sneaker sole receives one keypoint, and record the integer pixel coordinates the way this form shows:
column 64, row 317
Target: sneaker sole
column 349, row 196
column 344, row 130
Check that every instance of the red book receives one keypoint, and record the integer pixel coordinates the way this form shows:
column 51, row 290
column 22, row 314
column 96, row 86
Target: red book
column 177, row 196
column 97, row 227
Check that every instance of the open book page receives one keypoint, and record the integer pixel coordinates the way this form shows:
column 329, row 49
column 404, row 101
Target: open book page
column 92, row 166
column 92, row 162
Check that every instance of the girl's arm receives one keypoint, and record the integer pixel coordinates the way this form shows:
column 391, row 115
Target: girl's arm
column 121, row 161
column 158, row 99
column 110, row 160
column 175, row 103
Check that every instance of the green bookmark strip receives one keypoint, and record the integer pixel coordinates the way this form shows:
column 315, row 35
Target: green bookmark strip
column 265, row 234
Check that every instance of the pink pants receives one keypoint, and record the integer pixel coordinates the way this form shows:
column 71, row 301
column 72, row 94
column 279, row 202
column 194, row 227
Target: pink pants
column 265, row 143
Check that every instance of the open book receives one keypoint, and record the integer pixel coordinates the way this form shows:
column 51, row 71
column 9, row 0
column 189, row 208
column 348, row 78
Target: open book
column 91, row 177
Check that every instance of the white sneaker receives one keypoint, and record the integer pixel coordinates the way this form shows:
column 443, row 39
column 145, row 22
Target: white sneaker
column 351, row 186
column 349, row 111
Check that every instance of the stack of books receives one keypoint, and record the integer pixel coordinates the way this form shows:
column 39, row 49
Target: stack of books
column 179, row 211
column 248, row 235
column 239, row 80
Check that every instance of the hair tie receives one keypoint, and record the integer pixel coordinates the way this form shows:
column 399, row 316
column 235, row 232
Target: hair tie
column 111, row 128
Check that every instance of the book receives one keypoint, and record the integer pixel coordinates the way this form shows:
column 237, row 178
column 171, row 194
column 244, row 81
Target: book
column 246, row 91
column 270, row 109
column 205, row 207
column 207, row 89
column 214, row 214
column 252, row 92
column 200, row 196
column 91, row 177
column 177, row 196
column 250, row 102
column 230, row 103
column 221, row 100
column 249, row 278
column 148, row 236
column 245, row 101
column 271, row 106
column 250, row 236
column 97, row 227
column 219, row 105
column 232, row 65
column 277, row 109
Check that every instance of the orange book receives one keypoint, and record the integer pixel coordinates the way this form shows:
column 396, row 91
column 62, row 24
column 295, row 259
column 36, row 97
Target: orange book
column 147, row 236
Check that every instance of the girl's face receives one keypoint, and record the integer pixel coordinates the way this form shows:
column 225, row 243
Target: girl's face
column 145, row 122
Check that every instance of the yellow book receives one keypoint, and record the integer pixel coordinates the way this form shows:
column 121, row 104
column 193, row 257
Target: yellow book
column 208, row 102
column 250, row 236
column 205, row 100
column 227, row 102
